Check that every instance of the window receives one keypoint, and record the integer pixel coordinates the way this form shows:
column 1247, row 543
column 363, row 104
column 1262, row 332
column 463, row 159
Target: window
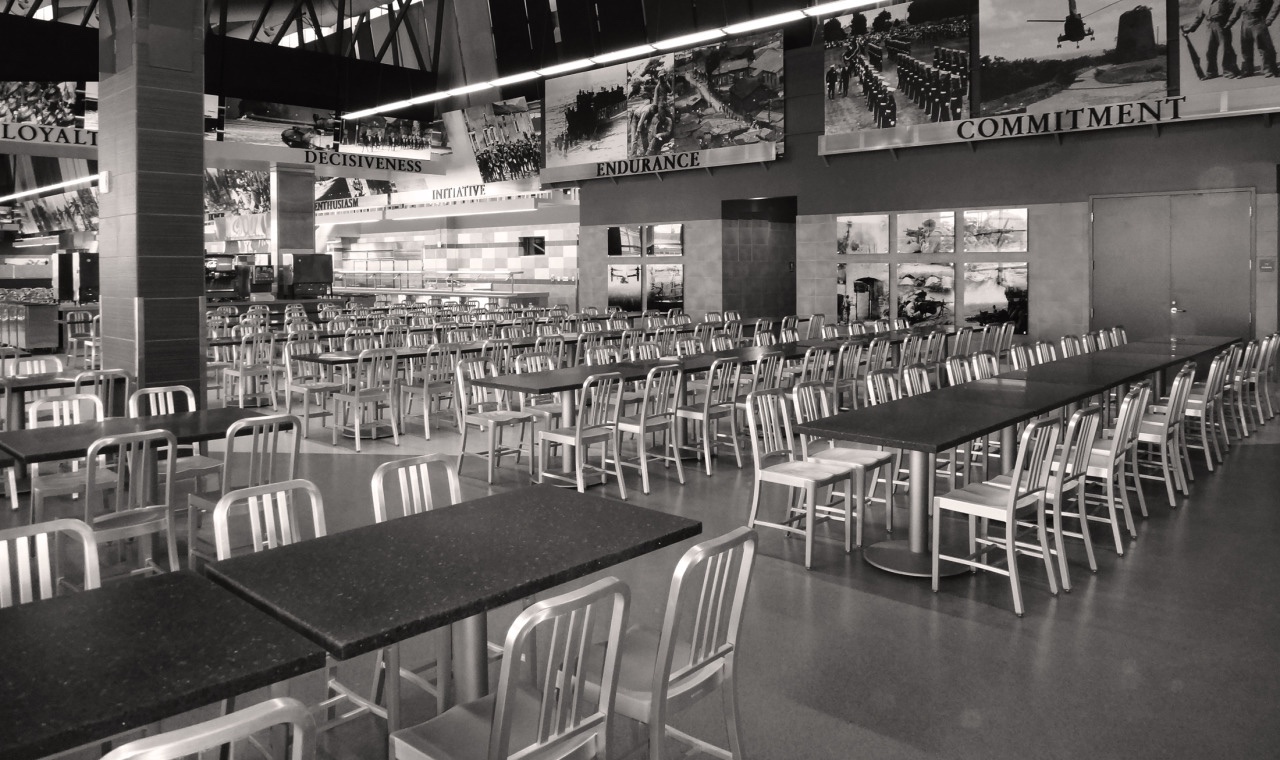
column 533, row 246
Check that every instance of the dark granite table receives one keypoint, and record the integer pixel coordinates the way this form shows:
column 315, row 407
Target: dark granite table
column 50, row 444
column 927, row 424
column 84, row 667
column 372, row 587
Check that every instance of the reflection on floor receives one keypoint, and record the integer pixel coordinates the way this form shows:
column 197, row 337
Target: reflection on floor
column 1169, row 651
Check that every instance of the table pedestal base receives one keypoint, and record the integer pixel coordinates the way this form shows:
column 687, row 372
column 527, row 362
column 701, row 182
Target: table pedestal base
column 897, row 557
column 251, row 401
column 370, row 431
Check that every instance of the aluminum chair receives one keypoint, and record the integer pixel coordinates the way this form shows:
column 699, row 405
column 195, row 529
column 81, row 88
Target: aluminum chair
column 141, row 486
column 771, row 436
column 69, row 478
column 993, row 503
column 313, row 382
column 656, row 416
column 1162, row 437
column 1113, row 457
column 561, row 713
column 193, row 463
column 33, row 554
column 371, row 388
column 718, row 404
column 600, row 406
column 488, row 412
column 252, row 371
column 430, row 381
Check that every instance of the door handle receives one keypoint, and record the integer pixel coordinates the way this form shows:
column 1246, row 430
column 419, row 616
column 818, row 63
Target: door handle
column 1176, row 310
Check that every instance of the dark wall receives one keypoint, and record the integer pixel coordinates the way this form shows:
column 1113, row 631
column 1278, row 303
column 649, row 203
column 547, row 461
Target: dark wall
column 1220, row 153
column 44, row 51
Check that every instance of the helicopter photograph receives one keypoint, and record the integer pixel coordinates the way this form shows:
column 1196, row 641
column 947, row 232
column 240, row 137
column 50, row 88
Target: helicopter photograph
column 1051, row 55
column 625, row 290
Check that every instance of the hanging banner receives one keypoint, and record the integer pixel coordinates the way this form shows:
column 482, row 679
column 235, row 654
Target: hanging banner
column 241, row 227
column 700, row 159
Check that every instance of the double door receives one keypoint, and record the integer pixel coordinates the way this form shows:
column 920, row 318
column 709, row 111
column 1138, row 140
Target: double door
column 1175, row 264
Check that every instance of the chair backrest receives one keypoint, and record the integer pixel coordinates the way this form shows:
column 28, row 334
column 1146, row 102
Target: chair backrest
column 712, row 316
column 732, row 328
column 641, row 352
column 848, row 360
column 296, row 370
column 33, row 365
column 816, row 364
column 413, row 475
column 830, row 332
column 535, row 361
column 395, row 336
column 1128, row 420
column 601, row 403
column 789, row 322
column 984, row 365
column 882, row 386
column 699, row 637
column 1070, row 346
column 661, row 392
column 722, row 382
column 960, row 344
column 1179, row 392
column 257, row 349
column 1020, row 357
column 766, row 370
column 877, row 354
column 689, row 347
column 958, row 370
column 1118, row 335
column 788, row 335
column 228, row 729
column 1088, row 343
column 811, row 403
column 723, row 342
column 272, row 511
column 29, row 558
column 1045, row 352
column 106, row 384
column 375, row 369
column 912, row 349
column 915, row 380
column 1105, row 339
column 815, row 325
column 598, row 355
column 857, row 328
column 1031, row 469
column 569, row 712
column 359, row 339
column 164, row 399
column 271, row 458
column 764, row 339
column 136, row 457
column 1073, row 455
column 67, row 409
column 769, row 419
column 590, row 326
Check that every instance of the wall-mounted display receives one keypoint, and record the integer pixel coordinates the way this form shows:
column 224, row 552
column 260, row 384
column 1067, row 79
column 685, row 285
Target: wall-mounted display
column 926, row 294
column 725, row 95
column 506, row 138
column 664, row 285
column 384, row 136
column 1208, row 59
column 865, row 233
column 234, row 192
column 625, row 240
column 262, row 123
column 53, row 104
column 625, row 289
column 664, row 240
column 995, row 230
column 898, row 66
column 1105, row 53
column 995, row 293
column 862, row 292
column 927, row 232
column 72, row 211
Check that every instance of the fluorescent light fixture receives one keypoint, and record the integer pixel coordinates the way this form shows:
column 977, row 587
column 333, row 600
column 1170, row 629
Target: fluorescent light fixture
column 764, row 23
column 36, row 242
column 836, row 7
column 619, row 55
column 689, row 39
column 469, row 88
column 514, row 78
column 47, row 188
column 563, row 68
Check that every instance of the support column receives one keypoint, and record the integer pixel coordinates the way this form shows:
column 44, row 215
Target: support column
column 293, row 216
column 151, row 145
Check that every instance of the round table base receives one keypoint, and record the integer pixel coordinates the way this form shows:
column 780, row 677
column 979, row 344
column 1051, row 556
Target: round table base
column 897, row 557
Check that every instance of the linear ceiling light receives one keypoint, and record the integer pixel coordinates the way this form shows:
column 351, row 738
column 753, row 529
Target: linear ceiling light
column 514, row 78
column 564, row 68
column 689, row 39
column 837, row 6
column 47, row 188
column 619, row 55
column 764, row 23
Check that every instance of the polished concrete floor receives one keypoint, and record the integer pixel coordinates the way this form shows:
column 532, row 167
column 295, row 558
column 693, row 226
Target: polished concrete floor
column 1170, row 651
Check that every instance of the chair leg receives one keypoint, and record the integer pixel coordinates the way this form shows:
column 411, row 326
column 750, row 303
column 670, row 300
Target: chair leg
column 937, row 546
column 617, row 462
column 493, row 438
column 1043, row 537
column 1111, row 508
column 729, row 692
column 674, row 451
column 1137, row 486
column 755, row 503
column 811, row 499
column 11, row 486
column 708, row 428
column 1011, row 554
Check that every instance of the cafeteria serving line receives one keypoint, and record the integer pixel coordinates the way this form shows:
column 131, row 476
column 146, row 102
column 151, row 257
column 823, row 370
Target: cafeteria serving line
column 418, row 379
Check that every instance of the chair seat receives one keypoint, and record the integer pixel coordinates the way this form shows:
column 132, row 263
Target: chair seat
column 635, row 673
column 694, row 412
column 497, row 417
column 314, row 386
column 62, row 483
column 462, row 731
column 631, row 424
column 803, row 474
column 130, row 522
column 863, row 458
column 193, row 466
column 363, row 395
column 570, row 435
column 980, row 499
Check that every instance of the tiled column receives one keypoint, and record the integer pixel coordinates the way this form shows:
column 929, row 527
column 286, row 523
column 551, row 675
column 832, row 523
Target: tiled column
column 151, row 145
column 293, row 212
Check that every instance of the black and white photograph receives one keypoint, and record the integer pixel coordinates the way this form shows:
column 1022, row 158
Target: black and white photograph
column 1002, row 230
column 342, row 188
column 926, row 294
column 897, row 66
column 625, row 289
column 665, row 240
column 1054, row 55
column 262, row 123
column 862, row 234
column 927, row 232
column 235, row 192
column 392, row 137
column 625, row 240
column 862, row 292
column 665, row 284
column 713, row 96
column 52, row 104
column 72, row 211
column 587, row 117
column 506, row 138
column 1226, row 45
column 995, row 293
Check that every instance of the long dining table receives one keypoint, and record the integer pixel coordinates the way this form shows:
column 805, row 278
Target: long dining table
column 372, row 587
column 934, row 422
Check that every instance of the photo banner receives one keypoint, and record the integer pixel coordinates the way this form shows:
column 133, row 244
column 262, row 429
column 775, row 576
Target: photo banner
column 707, row 106
column 932, row 72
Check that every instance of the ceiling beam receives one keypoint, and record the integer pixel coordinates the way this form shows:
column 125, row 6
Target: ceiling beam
column 413, row 43
column 395, row 28
column 284, row 25
column 355, row 28
column 322, row 43
column 35, row 6
column 439, row 35
column 262, row 17
column 88, row 12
